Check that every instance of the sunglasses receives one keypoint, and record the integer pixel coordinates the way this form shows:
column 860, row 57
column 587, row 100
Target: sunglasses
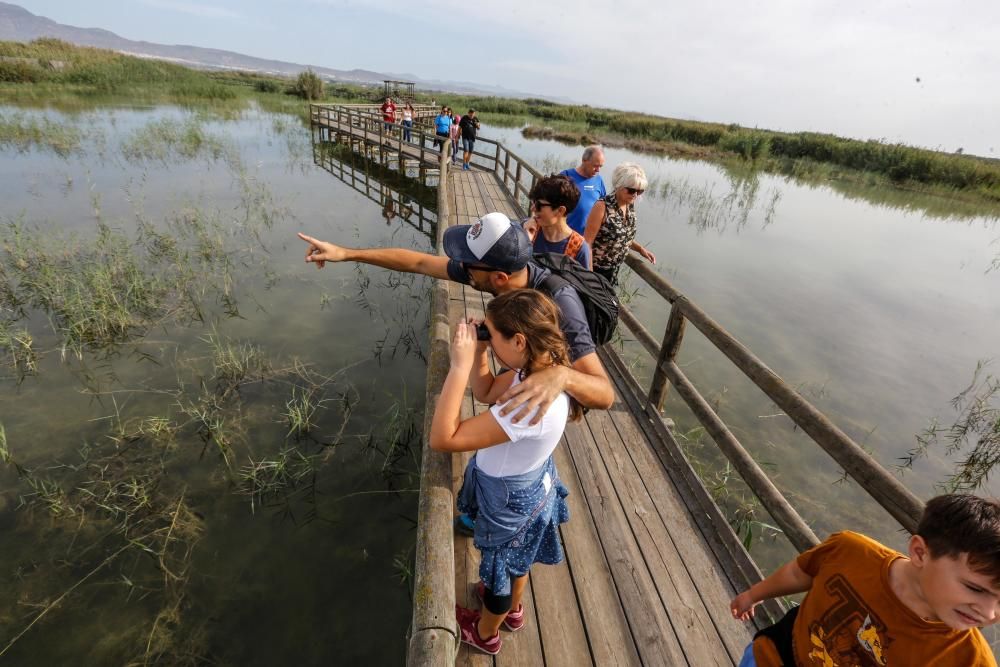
column 488, row 269
column 634, row 191
column 539, row 204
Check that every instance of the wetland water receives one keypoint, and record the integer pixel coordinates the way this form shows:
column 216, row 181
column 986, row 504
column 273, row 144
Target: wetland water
column 284, row 547
column 287, row 547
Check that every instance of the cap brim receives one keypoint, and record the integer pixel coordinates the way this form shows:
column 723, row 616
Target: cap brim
column 455, row 245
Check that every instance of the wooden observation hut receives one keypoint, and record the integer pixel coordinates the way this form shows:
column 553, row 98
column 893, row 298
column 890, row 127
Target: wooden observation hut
column 398, row 90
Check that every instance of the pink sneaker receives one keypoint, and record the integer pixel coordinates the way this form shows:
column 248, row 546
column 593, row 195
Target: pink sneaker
column 514, row 620
column 468, row 622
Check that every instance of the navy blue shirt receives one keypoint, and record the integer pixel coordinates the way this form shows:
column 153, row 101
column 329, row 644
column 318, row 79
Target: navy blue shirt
column 572, row 317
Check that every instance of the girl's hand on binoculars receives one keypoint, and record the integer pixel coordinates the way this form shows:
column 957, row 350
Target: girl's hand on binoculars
column 463, row 347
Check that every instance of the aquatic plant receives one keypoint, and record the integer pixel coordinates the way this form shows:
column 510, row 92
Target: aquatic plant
column 975, row 433
column 23, row 132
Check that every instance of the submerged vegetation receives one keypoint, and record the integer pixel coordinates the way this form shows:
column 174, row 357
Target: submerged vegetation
column 134, row 312
column 974, row 434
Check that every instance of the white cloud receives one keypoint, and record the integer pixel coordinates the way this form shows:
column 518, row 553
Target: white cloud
column 204, row 11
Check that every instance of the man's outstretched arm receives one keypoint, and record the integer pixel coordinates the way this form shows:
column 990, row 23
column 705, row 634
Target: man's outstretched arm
column 394, row 259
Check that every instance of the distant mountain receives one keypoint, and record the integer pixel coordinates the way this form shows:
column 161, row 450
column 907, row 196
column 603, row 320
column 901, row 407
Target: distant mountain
column 19, row 25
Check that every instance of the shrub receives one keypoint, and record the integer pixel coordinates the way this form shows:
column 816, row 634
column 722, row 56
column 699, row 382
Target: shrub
column 308, row 86
column 267, row 86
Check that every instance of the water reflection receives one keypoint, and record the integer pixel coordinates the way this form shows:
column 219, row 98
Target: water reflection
column 708, row 210
column 395, row 192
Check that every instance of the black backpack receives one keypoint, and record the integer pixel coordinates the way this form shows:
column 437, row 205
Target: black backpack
column 600, row 303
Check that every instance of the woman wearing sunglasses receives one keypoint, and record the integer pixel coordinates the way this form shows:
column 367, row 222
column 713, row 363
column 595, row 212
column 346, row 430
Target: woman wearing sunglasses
column 611, row 224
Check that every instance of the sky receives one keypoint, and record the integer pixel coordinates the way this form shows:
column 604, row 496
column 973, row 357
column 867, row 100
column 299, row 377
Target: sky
column 923, row 72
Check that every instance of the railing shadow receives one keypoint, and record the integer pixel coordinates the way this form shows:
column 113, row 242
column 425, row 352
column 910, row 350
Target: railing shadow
column 399, row 195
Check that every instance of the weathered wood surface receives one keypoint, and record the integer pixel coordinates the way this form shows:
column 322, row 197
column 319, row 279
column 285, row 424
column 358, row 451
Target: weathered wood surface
column 644, row 581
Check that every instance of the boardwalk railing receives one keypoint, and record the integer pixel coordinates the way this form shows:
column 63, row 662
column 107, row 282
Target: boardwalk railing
column 518, row 177
column 434, row 635
column 365, row 123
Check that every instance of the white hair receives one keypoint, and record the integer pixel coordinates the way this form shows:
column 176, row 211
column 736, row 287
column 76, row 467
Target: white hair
column 629, row 175
column 591, row 151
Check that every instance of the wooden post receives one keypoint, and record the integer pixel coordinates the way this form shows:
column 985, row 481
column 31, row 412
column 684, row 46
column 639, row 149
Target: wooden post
column 672, row 337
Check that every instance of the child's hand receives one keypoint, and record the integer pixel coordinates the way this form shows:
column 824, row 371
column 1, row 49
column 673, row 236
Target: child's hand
column 530, row 226
column 742, row 606
column 463, row 347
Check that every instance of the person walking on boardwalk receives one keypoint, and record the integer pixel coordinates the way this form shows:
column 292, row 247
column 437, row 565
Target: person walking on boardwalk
column 611, row 224
column 455, row 135
column 867, row 604
column 551, row 199
column 494, row 255
column 442, row 126
column 469, row 126
column 587, row 178
column 407, row 121
column 388, row 109
column 511, row 484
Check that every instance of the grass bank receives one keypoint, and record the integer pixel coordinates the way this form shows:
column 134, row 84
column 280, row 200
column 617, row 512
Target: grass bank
column 807, row 155
column 53, row 73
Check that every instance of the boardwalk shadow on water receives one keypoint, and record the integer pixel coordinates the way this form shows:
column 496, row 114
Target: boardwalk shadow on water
column 399, row 192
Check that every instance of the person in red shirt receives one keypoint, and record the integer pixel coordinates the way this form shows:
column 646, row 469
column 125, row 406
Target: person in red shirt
column 388, row 113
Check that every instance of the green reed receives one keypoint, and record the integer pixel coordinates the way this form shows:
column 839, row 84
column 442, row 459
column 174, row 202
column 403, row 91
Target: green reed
column 24, row 132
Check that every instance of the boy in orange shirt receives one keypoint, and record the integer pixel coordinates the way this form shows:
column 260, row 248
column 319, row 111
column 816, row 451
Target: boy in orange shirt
column 868, row 605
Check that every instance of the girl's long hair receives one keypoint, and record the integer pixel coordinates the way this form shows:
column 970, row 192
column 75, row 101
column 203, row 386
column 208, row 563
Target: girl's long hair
column 535, row 316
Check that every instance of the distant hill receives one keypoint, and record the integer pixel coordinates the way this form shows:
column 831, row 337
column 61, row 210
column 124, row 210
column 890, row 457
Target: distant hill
column 19, row 25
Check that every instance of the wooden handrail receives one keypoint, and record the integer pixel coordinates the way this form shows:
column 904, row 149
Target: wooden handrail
column 790, row 522
column 434, row 635
column 895, row 498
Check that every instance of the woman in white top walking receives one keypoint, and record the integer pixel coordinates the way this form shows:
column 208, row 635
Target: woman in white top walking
column 511, row 486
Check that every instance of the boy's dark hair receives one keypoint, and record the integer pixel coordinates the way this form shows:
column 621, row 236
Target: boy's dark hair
column 557, row 190
column 957, row 523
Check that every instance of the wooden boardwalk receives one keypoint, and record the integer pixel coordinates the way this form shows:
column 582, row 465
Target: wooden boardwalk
column 641, row 583
column 651, row 562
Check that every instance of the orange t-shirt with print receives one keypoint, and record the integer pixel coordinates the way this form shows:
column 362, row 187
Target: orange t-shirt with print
column 851, row 618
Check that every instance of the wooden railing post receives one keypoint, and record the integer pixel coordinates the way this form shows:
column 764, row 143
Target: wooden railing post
column 672, row 337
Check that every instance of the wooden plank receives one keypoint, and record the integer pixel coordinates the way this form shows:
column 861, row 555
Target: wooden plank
column 687, row 611
column 608, row 635
column 557, row 613
column 734, row 560
column 466, row 554
column 655, row 639
column 523, row 647
column 683, row 535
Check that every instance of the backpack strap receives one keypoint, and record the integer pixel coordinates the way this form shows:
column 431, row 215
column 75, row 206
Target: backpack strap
column 574, row 244
column 552, row 283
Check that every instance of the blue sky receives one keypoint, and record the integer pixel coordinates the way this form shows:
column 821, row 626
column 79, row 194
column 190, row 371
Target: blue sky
column 921, row 72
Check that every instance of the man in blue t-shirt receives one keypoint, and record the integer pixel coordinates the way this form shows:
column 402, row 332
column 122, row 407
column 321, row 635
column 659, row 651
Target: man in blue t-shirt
column 494, row 255
column 442, row 126
column 587, row 178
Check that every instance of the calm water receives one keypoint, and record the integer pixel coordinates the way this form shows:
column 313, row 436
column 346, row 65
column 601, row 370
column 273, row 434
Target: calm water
column 877, row 311
column 313, row 574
